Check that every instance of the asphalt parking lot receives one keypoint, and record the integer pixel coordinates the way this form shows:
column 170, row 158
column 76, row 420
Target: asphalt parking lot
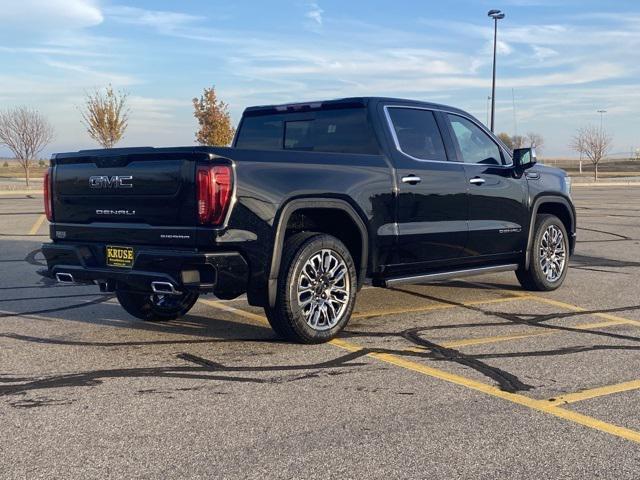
column 464, row 379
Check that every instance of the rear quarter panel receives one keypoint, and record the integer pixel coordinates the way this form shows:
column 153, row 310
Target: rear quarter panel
column 267, row 180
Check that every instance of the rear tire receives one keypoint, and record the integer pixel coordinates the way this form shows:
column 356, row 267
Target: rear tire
column 316, row 289
column 549, row 256
column 156, row 308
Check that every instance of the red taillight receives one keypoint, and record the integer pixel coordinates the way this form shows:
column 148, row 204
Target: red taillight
column 214, row 193
column 46, row 186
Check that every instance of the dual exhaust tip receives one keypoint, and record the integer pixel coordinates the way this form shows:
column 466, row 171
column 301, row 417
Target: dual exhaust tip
column 164, row 288
column 65, row 278
column 160, row 288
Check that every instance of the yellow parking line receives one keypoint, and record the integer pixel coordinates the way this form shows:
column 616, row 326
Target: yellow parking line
column 437, row 306
column 242, row 313
column 595, row 392
column 567, row 306
column 538, row 405
column 575, row 308
column 465, row 342
column 20, row 192
column 37, row 225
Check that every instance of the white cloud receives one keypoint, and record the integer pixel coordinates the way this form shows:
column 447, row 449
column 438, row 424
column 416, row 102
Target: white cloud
column 92, row 76
column 161, row 20
column 314, row 13
column 33, row 15
column 543, row 53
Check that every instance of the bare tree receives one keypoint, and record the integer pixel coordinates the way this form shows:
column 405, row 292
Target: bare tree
column 25, row 132
column 535, row 140
column 106, row 116
column 214, row 119
column 518, row 141
column 594, row 143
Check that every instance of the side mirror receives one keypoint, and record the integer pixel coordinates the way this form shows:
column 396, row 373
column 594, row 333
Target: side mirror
column 525, row 157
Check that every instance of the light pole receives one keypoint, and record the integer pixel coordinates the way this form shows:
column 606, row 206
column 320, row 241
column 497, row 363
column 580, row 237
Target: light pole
column 488, row 104
column 601, row 112
column 496, row 15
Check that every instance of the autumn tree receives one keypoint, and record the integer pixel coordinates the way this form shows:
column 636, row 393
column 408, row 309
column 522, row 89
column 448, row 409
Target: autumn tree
column 214, row 119
column 106, row 116
column 513, row 141
column 594, row 143
column 506, row 139
column 25, row 132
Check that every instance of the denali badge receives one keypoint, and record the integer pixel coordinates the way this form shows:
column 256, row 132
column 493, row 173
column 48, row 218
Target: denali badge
column 115, row 212
column 116, row 181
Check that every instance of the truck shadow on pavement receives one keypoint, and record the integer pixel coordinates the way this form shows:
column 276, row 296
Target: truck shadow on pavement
column 205, row 369
column 207, row 330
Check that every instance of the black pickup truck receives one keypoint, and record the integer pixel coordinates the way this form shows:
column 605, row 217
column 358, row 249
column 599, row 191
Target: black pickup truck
column 312, row 201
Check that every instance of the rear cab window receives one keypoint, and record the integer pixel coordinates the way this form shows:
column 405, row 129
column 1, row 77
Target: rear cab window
column 343, row 130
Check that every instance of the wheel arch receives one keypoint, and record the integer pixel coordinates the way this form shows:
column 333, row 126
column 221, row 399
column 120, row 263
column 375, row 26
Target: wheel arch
column 297, row 207
column 555, row 205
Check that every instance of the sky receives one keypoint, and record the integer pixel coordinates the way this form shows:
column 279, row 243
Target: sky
column 558, row 61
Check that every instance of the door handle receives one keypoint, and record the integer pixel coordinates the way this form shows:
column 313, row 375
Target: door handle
column 477, row 181
column 411, row 179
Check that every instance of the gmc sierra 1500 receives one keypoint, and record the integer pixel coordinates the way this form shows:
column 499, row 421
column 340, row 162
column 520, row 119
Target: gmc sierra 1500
column 312, row 200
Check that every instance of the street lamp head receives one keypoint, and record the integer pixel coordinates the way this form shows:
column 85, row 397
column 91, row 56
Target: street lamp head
column 495, row 14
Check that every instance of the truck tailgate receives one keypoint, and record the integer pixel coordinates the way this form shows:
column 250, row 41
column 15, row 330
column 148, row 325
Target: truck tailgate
column 147, row 197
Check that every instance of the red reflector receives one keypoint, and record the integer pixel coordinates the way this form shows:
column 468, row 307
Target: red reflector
column 214, row 193
column 46, row 186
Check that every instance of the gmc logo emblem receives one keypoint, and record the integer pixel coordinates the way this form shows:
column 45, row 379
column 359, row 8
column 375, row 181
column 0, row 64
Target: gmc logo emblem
column 116, row 181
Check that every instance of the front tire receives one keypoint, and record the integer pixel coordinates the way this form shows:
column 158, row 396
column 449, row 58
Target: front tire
column 316, row 289
column 549, row 256
column 151, row 307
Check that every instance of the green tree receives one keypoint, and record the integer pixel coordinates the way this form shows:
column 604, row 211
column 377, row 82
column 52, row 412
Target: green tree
column 214, row 119
column 106, row 116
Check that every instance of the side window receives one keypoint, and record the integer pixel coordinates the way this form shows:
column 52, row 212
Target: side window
column 417, row 133
column 475, row 145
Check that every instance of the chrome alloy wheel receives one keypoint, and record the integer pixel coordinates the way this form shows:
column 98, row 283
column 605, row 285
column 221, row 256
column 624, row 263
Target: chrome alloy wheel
column 552, row 253
column 323, row 289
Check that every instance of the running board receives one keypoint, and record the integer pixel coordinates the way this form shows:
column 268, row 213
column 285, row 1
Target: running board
column 434, row 277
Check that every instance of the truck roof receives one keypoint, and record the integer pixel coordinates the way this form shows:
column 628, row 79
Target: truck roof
column 342, row 103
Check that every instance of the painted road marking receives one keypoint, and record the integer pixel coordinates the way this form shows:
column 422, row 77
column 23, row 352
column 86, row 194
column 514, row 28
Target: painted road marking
column 566, row 306
column 243, row 313
column 37, row 224
column 465, row 342
column 575, row 308
column 595, row 393
column 543, row 406
column 21, row 193
column 437, row 306
column 538, row 405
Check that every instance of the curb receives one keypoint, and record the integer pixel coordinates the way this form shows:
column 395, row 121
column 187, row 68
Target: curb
column 607, row 184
